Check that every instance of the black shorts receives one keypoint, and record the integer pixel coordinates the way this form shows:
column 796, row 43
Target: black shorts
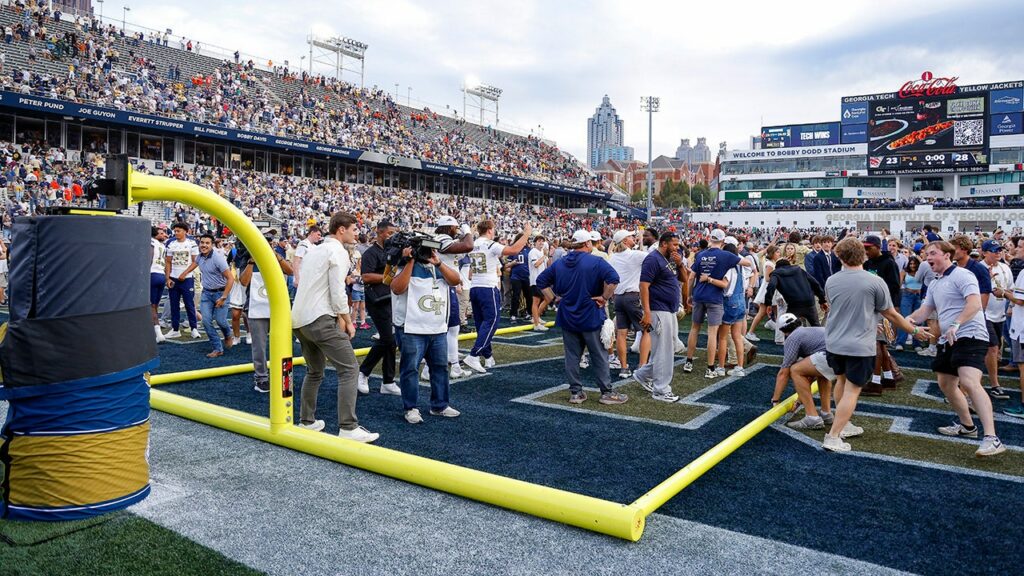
column 537, row 293
column 857, row 369
column 965, row 352
column 628, row 311
column 995, row 333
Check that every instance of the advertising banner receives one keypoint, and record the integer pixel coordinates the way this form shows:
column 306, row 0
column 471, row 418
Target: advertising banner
column 1003, row 124
column 1011, row 100
column 854, row 133
column 799, row 135
column 854, row 113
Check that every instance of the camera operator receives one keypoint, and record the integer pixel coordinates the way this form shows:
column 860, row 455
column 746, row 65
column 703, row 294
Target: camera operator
column 258, row 314
column 423, row 296
column 378, row 305
column 321, row 322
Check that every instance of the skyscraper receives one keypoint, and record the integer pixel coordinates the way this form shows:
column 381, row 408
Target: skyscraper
column 605, row 135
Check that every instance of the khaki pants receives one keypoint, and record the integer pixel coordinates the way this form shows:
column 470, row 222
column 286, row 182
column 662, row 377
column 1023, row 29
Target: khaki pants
column 323, row 341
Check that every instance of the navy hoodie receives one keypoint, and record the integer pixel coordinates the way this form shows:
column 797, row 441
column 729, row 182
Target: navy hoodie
column 577, row 278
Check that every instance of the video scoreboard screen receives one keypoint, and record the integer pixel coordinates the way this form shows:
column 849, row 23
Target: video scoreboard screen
column 928, row 134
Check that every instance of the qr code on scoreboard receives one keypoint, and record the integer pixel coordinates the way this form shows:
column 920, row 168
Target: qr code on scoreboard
column 968, row 132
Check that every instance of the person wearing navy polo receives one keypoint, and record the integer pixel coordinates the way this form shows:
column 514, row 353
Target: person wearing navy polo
column 519, row 278
column 707, row 296
column 659, row 297
column 584, row 283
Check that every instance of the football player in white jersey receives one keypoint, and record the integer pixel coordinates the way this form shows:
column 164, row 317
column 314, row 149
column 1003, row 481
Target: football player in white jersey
column 157, row 280
column 451, row 251
column 179, row 264
column 485, row 293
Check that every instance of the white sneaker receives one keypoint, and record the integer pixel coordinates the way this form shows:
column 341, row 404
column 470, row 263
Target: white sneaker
column 585, row 361
column 363, row 384
column 635, row 348
column 315, row 426
column 613, row 362
column 248, row 339
column 751, row 337
column 391, row 389
column 850, row 431
column 540, row 328
column 195, row 333
column 990, row 446
column 929, row 351
column 448, row 412
column 456, row 371
column 159, row 334
column 668, row 398
column 173, row 334
column 474, row 364
column 413, row 416
column 833, row 444
column 425, row 373
column 720, row 371
column 376, row 336
column 770, row 324
column 489, row 362
column 359, row 434
column 737, row 371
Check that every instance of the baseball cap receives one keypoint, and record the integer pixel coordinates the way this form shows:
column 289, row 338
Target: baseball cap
column 991, row 246
column 595, row 235
column 732, row 240
column 447, row 221
column 788, row 322
column 873, row 241
column 621, row 235
column 580, row 236
column 717, row 235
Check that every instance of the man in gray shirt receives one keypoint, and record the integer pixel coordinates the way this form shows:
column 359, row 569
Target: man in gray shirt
column 963, row 344
column 925, row 275
column 217, row 279
column 856, row 298
column 803, row 359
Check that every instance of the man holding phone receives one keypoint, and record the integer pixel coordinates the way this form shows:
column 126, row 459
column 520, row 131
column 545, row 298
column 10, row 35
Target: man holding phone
column 660, row 294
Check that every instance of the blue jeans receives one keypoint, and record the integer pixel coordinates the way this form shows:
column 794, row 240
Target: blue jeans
column 908, row 303
column 211, row 314
column 416, row 347
column 182, row 289
column 486, row 304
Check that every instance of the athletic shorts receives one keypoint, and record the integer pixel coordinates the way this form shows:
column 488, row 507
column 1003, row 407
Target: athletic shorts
column 628, row 311
column 857, row 369
column 995, row 333
column 537, row 293
column 157, row 283
column 708, row 312
column 358, row 296
column 236, row 300
column 820, row 363
column 1018, row 352
column 964, row 353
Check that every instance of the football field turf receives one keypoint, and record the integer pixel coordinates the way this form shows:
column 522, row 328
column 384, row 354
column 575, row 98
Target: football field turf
column 907, row 498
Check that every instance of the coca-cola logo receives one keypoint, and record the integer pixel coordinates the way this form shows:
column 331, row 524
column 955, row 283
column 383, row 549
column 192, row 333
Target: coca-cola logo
column 928, row 85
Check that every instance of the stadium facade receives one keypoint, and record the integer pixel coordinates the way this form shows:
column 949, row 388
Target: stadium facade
column 157, row 141
column 931, row 152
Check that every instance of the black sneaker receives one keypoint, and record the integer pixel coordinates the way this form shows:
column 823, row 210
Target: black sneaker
column 263, row 387
column 998, row 393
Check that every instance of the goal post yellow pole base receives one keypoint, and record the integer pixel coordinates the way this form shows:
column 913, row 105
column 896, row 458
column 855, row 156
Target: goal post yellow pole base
column 624, row 521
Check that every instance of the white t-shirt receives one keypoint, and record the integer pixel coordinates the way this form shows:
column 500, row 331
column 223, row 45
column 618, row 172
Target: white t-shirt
column 485, row 261
column 159, row 256
column 627, row 265
column 535, row 269
column 1001, row 278
column 181, row 254
column 1017, row 319
column 259, row 302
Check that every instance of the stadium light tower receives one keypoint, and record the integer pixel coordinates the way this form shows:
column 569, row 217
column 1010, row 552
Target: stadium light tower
column 650, row 104
column 484, row 93
column 101, row 11
column 331, row 52
column 124, row 16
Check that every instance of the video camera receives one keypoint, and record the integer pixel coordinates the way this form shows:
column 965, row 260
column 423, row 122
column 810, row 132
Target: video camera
column 423, row 247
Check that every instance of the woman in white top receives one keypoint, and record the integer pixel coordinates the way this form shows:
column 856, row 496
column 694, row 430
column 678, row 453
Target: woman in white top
column 771, row 254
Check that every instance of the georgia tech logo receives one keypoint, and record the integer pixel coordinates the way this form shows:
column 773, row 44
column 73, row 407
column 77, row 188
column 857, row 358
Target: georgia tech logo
column 393, row 160
column 430, row 304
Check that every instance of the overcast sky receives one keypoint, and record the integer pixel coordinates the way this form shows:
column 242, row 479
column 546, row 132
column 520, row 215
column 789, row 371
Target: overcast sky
column 720, row 68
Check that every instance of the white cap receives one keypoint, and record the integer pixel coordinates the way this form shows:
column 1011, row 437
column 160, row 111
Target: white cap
column 580, row 237
column 595, row 236
column 732, row 240
column 717, row 235
column 621, row 235
column 447, row 221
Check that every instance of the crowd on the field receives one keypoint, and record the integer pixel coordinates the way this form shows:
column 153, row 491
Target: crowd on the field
column 106, row 68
